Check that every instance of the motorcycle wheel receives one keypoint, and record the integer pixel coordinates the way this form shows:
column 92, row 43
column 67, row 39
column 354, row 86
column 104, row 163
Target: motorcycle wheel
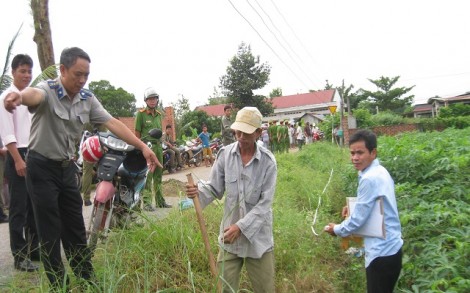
column 185, row 159
column 98, row 219
column 198, row 161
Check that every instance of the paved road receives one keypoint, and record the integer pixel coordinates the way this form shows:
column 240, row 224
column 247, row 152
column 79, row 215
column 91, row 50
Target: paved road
column 6, row 259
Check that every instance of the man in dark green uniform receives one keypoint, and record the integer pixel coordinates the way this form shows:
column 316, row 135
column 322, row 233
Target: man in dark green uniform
column 149, row 118
column 272, row 131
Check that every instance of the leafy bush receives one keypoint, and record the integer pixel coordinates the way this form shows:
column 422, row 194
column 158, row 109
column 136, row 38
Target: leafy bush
column 433, row 192
column 386, row 118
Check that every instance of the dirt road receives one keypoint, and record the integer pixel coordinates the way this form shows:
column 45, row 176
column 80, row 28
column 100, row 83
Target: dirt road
column 6, row 258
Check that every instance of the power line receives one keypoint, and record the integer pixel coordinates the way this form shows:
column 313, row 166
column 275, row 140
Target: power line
column 293, row 32
column 285, row 64
column 277, row 39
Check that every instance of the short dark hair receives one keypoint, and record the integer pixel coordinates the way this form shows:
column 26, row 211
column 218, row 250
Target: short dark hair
column 168, row 126
column 367, row 136
column 21, row 59
column 227, row 107
column 69, row 56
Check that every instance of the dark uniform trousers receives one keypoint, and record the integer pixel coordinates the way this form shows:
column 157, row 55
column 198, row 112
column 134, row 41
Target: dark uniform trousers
column 57, row 203
column 23, row 237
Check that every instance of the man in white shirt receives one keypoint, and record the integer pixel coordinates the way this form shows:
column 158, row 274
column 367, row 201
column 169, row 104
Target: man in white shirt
column 15, row 136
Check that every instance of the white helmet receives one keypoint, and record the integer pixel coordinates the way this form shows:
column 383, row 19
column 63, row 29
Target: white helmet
column 150, row 92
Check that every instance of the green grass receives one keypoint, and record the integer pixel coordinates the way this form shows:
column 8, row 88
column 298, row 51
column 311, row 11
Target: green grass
column 168, row 255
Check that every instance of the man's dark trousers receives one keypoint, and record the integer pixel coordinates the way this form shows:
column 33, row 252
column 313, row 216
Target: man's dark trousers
column 57, row 205
column 23, row 237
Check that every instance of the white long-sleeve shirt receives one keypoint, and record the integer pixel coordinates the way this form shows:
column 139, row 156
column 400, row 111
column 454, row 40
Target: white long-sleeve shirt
column 16, row 126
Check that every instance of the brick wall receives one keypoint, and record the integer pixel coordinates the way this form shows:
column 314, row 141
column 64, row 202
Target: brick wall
column 390, row 130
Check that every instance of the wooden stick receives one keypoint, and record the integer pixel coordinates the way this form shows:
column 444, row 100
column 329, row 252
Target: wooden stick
column 202, row 226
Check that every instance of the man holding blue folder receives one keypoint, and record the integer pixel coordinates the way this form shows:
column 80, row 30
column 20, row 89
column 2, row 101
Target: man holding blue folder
column 383, row 256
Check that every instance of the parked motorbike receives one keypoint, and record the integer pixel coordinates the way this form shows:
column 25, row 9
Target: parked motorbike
column 166, row 158
column 192, row 154
column 215, row 145
column 122, row 172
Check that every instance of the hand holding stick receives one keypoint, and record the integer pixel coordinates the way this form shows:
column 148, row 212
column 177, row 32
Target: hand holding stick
column 202, row 226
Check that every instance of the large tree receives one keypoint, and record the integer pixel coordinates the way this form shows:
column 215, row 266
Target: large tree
column 245, row 75
column 195, row 119
column 117, row 102
column 42, row 33
column 386, row 97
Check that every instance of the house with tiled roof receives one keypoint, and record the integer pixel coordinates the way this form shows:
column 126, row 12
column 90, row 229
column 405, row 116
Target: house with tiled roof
column 438, row 103
column 291, row 107
column 294, row 107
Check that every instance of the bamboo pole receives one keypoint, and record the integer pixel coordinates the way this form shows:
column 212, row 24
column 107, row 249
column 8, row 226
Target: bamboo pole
column 202, row 226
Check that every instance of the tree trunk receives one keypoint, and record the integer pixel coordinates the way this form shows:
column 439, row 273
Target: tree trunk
column 42, row 33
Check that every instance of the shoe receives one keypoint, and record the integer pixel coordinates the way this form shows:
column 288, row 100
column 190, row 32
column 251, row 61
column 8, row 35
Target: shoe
column 171, row 171
column 88, row 202
column 4, row 219
column 26, row 266
column 165, row 206
column 149, row 208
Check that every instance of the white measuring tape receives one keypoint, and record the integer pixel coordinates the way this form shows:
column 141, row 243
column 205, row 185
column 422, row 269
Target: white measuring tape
column 319, row 203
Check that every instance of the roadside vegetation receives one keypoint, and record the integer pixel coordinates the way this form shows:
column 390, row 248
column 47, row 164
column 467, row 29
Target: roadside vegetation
column 433, row 192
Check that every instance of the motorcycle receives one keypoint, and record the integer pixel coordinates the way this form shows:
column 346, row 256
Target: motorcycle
column 192, row 154
column 215, row 145
column 122, row 173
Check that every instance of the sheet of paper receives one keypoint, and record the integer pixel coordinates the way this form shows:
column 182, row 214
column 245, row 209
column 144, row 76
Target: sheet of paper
column 374, row 226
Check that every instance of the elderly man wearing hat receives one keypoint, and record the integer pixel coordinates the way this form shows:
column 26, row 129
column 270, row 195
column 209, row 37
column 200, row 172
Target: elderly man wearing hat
column 246, row 174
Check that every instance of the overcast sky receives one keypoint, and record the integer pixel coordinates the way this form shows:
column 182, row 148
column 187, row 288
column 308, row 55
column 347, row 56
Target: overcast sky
column 183, row 47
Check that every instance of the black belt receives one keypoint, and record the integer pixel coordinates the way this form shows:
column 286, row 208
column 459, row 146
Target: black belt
column 58, row 163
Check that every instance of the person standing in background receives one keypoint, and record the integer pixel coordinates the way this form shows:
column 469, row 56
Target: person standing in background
column 147, row 119
column 15, row 132
column 3, row 153
column 227, row 133
column 204, row 137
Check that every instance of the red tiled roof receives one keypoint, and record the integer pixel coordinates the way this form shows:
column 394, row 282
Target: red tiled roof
column 422, row 108
column 212, row 110
column 312, row 98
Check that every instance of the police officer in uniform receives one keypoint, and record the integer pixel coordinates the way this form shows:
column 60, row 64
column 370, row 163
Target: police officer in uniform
column 228, row 136
column 148, row 118
column 61, row 107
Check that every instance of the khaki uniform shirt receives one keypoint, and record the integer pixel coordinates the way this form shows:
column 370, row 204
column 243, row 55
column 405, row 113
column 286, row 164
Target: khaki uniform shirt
column 227, row 132
column 58, row 121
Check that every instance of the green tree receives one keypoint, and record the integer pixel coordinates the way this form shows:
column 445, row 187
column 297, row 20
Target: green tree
column 277, row 92
column 217, row 98
column 386, row 97
column 181, row 107
column 195, row 119
column 328, row 86
column 245, row 75
column 117, row 102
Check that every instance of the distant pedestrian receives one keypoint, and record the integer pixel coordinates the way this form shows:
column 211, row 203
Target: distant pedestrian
column 228, row 136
